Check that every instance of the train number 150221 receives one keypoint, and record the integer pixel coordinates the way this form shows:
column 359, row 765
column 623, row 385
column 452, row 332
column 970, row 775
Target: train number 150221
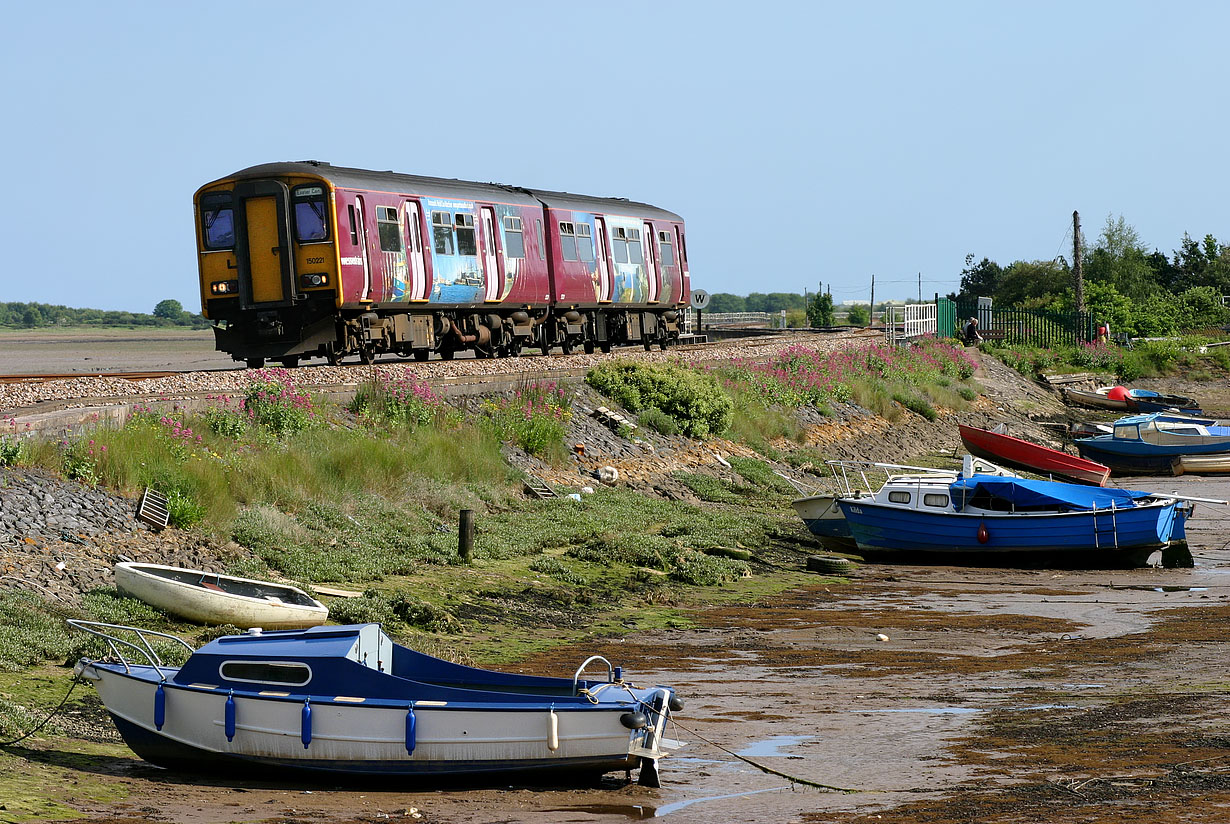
column 316, row 260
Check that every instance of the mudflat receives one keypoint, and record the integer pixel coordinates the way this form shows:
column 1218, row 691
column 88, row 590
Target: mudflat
column 88, row 351
column 995, row 695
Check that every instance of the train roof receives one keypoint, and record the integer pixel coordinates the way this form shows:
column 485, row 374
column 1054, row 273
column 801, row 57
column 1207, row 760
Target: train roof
column 449, row 187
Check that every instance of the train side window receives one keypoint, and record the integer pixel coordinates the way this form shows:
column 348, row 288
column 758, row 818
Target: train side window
column 585, row 242
column 542, row 244
column 514, row 238
column 217, row 221
column 390, row 229
column 634, row 246
column 567, row 241
column 442, row 232
column 619, row 244
column 683, row 246
column 668, row 249
column 466, row 244
column 311, row 220
column 354, row 229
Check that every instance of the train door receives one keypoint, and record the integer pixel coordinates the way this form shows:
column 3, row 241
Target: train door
column 263, row 245
column 414, row 251
column 493, row 278
column 360, row 234
column 604, row 271
column 392, row 252
column 651, row 269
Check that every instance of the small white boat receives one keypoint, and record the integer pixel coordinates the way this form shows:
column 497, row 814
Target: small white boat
column 212, row 598
column 1216, row 464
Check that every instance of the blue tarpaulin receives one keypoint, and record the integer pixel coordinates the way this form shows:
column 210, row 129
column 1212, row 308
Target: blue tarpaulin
column 1020, row 493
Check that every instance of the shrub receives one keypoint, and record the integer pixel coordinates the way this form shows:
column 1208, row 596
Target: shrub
column 916, row 404
column 555, row 568
column 693, row 399
column 656, row 420
column 10, row 451
column 692, row 567
column 275, row 404
column 407, row 401
column 534, row 418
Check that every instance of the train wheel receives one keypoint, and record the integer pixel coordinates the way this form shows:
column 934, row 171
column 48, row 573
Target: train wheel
column 366, row 354
column 545, row 346
column 605, row 346
column 256, row 363
column 566, row 345
column 447, row 354
column 589, row 347
column 648, row 342
column 290, row 362
column 665, row 342
column 333, row 358
column 421, row 354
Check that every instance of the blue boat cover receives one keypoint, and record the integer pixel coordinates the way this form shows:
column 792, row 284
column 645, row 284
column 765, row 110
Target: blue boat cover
column 1026, row 494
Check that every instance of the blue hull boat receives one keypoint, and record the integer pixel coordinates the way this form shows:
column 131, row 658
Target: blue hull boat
column 1149, row 444
column 348, row 701
column 1070, row 524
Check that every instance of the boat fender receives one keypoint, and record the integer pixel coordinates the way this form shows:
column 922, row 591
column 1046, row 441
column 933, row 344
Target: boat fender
column 983, row 534
column 160, row 707
column 676, row 703
column 634, row 720
column 553, row 730
column 229, row 716
column 411, row 723
column 305, row 723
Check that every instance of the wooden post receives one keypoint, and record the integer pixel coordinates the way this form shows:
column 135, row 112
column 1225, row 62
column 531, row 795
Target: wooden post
column 871, row 315
column 1077, row 271
column 465, row 535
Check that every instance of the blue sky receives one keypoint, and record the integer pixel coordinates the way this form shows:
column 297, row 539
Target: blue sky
column 802, row 142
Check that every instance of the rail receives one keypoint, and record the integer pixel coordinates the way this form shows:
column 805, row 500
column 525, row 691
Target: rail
column 610, row 670
column 143, row 645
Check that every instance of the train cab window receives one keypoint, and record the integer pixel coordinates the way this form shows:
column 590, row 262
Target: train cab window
column 668, row 249
column 442, row 232
column 390, row 229
column 568, row 241
column 311, row 220
column 514, row 238
column 217, row 221
column 634, row 246
column 585, row 242
column 466, row 245
column 354, row 228
column 619, row 244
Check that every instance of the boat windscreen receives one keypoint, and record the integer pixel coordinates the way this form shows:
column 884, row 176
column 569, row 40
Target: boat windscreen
column 1022, row 494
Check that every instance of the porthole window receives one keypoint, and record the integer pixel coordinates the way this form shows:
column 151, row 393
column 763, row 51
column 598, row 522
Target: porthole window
column 935, row 499
column 898, row 497
column 281, row 673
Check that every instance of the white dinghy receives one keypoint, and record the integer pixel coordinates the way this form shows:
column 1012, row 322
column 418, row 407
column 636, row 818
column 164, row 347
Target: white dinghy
column 212, row 598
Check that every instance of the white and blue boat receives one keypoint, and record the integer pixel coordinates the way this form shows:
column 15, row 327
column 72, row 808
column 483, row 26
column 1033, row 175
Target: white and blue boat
column 348, row 701
column 1149, row 444
column 984, row 515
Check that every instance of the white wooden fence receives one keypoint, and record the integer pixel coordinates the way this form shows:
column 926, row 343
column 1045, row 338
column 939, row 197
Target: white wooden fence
column 913, row 320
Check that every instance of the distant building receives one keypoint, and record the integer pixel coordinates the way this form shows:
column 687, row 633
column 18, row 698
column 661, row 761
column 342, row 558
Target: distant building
column 856, row 303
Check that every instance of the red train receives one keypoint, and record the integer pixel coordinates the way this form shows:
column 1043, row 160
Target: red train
column 303, row 260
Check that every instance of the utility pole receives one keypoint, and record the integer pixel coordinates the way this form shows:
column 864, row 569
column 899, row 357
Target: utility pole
column 1077, row 272
column 871, row 314
column 920, row 287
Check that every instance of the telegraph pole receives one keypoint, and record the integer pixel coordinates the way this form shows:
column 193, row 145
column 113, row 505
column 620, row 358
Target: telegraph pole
column 871, row 315
column 920, row 287
column 1077, row 272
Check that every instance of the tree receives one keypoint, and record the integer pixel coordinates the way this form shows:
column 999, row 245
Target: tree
column 859, row 315
column 1029, row 284
column 724, row 302
column 169, row 309
column 981, row 279
column 31, row 317
column 820, row 310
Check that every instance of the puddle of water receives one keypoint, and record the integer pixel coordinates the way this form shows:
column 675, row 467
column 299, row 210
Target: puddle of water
column 630, row 811
column 772, row 747
column 667, row 809
column 929, row 710
column 1083, row 686
column 1146, row 588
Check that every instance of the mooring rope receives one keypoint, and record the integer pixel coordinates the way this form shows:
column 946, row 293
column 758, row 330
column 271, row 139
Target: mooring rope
column 42, row 724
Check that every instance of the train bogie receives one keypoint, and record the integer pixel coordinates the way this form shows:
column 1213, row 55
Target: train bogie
column 301, row 260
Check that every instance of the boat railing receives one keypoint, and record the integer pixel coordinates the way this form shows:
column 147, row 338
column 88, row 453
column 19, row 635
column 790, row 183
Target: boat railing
column 610, row 671
column 141, row 645
column 843, row 469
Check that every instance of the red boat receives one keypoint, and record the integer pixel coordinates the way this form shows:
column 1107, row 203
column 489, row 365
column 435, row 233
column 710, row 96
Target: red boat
column 1006, row 449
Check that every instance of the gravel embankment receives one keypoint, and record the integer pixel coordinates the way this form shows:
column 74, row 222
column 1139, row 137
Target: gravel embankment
column 21, row 395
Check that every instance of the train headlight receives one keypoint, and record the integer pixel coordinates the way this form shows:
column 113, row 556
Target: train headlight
column 224, row 287
column 314, row 280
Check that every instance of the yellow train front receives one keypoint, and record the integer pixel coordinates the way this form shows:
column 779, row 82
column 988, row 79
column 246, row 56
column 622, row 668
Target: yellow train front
column 303, row 260
column 269, row 266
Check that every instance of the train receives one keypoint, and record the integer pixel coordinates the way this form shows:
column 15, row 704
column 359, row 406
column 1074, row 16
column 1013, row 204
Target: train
column 303, row 260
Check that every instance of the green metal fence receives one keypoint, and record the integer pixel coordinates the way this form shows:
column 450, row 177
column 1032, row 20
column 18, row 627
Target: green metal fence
column 1024, row 326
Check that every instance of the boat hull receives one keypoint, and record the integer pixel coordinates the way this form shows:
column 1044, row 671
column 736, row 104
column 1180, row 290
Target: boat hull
column 1094, row 400
column 205, row 605
column 1125, row 537
column 1136, row 457
column 353, row 738
column 824, row 519
column 1218, row 464
column 1022, row 454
